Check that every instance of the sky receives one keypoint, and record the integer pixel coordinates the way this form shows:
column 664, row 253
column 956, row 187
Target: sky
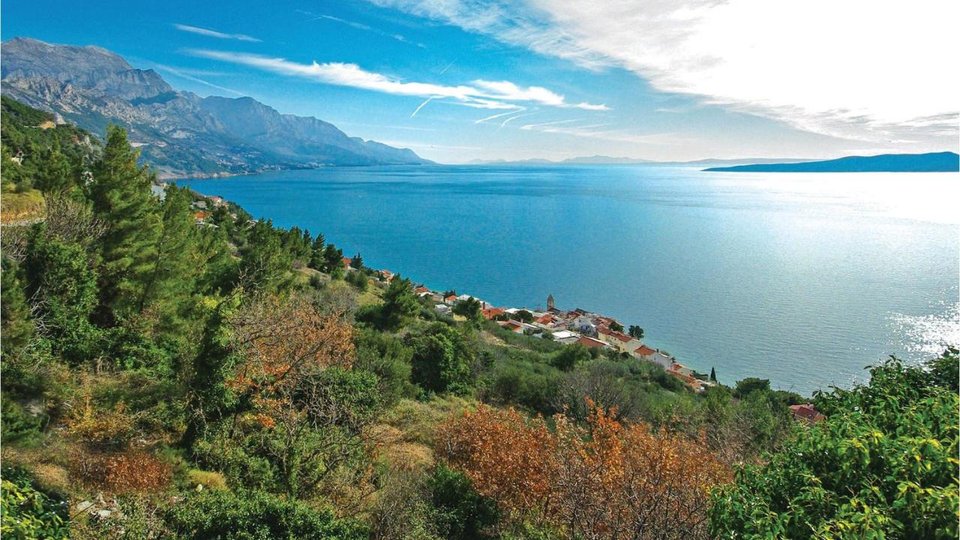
column 464, row 80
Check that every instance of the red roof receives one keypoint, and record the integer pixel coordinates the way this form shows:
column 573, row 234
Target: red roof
column 490, row 313
column 513, row 326
column 546, row 319
column 643, row 350
column 621, row 336
column 421, row 289
column 806, row 411
column 347, row 261
column 590, row 342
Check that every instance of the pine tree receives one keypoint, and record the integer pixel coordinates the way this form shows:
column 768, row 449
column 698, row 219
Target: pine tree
column 316, row 253
column 264, row 263
column 17, row 328
column 57, row 172
column 175, row 267
column 356, row 262
column 121, row 195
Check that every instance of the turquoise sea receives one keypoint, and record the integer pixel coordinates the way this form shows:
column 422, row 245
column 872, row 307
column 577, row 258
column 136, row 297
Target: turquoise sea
column 800, row 278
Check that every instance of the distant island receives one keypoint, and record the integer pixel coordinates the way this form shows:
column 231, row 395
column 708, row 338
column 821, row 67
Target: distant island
column 932, row 162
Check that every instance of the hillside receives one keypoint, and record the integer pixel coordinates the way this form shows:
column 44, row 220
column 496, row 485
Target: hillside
column 179, row 133
column 173, row 368
column 933, row 162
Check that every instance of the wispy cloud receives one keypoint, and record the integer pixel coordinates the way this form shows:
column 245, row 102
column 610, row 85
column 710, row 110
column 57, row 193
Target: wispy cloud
column 598, row 132
column 213, row 33
column 360, row 26
column 820, row 66
column 186, row 75
column 480, row 94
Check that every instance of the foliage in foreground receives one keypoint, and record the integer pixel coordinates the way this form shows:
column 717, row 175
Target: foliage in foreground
column 883, row 465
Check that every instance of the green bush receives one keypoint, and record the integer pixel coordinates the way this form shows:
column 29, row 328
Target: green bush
column 254, row 515
column 882, row 465
column 459, row 512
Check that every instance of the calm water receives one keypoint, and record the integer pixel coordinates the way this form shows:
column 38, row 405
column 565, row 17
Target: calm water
column 803, row 279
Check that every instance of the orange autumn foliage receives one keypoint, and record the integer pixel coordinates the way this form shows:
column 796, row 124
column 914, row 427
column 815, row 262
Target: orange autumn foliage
column 285, row 340
column 605, row 480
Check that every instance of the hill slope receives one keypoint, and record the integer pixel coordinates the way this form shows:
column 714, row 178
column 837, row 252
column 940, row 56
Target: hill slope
column 933, row 162
column 180, row 133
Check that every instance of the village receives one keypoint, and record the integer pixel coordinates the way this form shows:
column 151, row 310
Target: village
column 577, row 326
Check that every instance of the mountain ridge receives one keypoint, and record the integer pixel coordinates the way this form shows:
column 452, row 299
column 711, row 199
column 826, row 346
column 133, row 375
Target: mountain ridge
column 180, row 133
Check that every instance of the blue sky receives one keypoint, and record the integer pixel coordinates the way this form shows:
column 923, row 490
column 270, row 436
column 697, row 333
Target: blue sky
column 458, row 80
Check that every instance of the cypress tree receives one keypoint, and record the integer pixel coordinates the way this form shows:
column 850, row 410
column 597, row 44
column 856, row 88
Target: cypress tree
column 121, row 195
column 713, row 374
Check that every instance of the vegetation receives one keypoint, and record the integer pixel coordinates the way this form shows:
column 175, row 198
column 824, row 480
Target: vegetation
column 223, row 378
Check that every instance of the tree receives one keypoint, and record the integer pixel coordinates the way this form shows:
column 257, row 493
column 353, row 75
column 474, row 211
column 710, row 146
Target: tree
column 749, row 385
column 17, row 327
column 604, row 480
column 468, row 308
column 332, row 259
column 264, row 264
column 399, row 303
column 635, row 332
column 524, row 316
column 175, row 266
column 356, row 262
column 121, row 196
column 713, row 374
column 317, row 253
column 616, row 327
column 57, row 174
column 442, row 360
column 571, row 356
column 882, row 465
column 63, row 289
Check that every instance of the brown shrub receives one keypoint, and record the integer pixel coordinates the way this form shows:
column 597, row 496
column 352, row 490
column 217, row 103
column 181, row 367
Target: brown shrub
column 134, row 471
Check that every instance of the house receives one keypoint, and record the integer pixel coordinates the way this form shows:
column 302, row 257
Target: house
column 806, row 412
column 591, row 343
column 566, row 337
column 513, row 326
column 421, row 291
column 200, row 216
column 217, row 201
column 584, row 325
column 386, row 275
column 443, row 309
column 491, row 313
column 450, row 299
column 644, row 352
column 547, row 320
column 347, row 261
column 617, row 340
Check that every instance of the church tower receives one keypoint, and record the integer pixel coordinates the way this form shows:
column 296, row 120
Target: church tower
column 550, row 304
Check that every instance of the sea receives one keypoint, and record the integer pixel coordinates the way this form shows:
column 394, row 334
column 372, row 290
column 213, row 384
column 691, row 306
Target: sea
column 800, row 278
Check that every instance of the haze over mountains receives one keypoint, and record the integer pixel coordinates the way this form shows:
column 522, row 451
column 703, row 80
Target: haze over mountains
column 179, row 133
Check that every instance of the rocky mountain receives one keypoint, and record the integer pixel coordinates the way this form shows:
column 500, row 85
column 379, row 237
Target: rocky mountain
column 179, row 133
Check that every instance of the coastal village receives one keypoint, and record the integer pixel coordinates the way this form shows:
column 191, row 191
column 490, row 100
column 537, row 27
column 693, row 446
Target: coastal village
column 577, row 326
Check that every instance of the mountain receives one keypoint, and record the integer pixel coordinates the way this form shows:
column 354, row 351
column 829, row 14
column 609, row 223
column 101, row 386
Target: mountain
column 933, row 162
column 179, row 133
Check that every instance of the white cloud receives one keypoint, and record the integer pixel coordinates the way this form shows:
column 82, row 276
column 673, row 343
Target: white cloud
column 480, row 94
column 213, row 33
column 857, row 69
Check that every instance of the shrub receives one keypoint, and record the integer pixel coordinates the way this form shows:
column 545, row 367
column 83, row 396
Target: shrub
column 459, row 512
column 255, row 515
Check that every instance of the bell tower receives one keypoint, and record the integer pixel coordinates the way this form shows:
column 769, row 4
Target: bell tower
column 550, row 303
